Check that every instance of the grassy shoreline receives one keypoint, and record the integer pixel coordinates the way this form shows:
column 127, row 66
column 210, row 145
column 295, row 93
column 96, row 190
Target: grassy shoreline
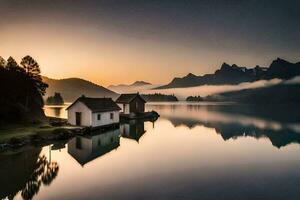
column 19, row 136
column 21, row 131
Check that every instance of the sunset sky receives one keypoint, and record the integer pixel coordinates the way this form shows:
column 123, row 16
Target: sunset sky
column 112, row 42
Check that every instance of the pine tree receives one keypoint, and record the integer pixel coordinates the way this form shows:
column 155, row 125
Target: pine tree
column 32, row 69
column 12, row 65
column 2, row 62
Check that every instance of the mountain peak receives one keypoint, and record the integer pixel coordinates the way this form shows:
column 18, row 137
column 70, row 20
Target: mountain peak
column 71, row 88
column 190, row 75
column 279, row 62
column 140, row 83
column 225, row 66
column 280, row 59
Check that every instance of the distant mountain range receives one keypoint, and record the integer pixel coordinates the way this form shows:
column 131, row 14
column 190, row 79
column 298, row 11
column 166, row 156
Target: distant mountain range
column 136, row 83
column 138, row 86
column 140, row 83
column 233, row 74
column 72, row 88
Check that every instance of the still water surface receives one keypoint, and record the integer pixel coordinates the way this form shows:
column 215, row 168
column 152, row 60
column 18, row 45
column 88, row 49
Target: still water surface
column 193, row 151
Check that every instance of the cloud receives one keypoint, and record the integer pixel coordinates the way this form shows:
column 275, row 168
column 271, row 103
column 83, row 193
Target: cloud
column 295, row 80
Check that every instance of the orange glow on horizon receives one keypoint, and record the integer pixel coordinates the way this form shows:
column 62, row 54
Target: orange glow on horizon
column 105, row 57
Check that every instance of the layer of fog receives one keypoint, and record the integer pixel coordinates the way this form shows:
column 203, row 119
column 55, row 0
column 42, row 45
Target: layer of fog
column 295, row 80
column 205, row 90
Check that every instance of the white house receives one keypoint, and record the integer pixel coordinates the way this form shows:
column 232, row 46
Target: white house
column 93, row 112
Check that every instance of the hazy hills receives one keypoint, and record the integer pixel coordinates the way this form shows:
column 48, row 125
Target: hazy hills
column 136, row 83
column 140, row 83
column 233, row 74
column 137, row 86
column 72, row 88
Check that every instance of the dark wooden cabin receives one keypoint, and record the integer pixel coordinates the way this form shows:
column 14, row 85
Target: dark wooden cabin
column 131, row 103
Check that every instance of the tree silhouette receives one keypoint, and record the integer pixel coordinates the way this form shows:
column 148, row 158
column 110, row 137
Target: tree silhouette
column 45, row 172
column 21, row 90
column 12, row 65
column 55, row 100
column 2, row 62
column 32, row 69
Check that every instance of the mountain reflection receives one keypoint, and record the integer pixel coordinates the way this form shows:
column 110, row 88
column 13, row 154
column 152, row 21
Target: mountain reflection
column 26, row 172
column 281, row 125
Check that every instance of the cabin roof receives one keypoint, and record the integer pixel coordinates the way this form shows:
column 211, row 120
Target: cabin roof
column 127, row 98
column 98, row 104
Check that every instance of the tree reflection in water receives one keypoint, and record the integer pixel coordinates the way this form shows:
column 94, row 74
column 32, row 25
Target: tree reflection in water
column 44, row 173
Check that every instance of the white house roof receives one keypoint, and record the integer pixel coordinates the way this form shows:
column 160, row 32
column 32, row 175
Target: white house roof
column 97, row 104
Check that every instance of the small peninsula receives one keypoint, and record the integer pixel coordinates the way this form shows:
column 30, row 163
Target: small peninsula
column 195, row 98
column 158, row 97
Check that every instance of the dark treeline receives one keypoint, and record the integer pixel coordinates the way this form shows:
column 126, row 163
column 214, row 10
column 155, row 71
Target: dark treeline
column 194, row 98
column 21, row 90
column 159, row 97
column 55, row 100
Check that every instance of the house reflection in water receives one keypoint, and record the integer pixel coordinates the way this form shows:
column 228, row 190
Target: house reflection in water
column 88, row 148
column 133, row 129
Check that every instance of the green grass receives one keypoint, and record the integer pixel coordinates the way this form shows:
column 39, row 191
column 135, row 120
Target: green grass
column 19, row 131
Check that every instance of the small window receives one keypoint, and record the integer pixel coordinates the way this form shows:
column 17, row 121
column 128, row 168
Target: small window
column 99, row 117
column 111, row 115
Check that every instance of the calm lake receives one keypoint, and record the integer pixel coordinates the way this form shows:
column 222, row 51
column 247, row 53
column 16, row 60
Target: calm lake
column 193, row 151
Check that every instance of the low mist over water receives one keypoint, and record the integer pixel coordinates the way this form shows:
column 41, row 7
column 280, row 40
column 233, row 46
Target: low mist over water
column 182, row 93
